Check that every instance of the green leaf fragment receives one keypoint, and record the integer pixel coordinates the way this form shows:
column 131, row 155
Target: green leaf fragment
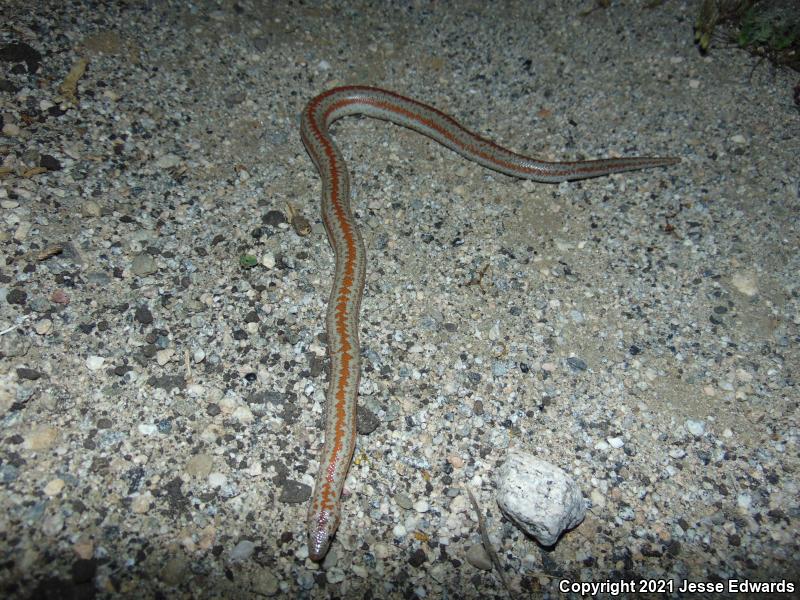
column 247, row 261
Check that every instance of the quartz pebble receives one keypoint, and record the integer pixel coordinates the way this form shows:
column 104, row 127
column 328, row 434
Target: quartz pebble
column 696, row 428
column 745, row 282
column 538, row 497
column 54, row 487
column 95, row 362
column 242, row 551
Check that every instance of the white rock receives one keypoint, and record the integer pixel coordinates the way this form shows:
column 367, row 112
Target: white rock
column 168, row 161
column 43, row 327
column 90, row 208
column 11, row 130
column 538, row 497
column 268, row 260
column 381, row 551
column 745, row 282
column 164, row 356
column 228, row 404
column 696, row 428
column 53, row 524
column 335, row 575
column 54, row 487
column 217, row 479
column 242, row 551
column 147, row 429
column 93, row 363
column 243, row 414
column 616, row 442
column 422, row 506
column 597, row 498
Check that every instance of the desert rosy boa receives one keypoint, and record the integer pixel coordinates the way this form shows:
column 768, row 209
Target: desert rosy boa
column 348, row 283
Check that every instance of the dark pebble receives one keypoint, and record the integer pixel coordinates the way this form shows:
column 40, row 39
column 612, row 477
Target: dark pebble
column 143, row 315
column 16, row 296
column 418, row 558
column 30, row 374
column 366, row 421
column 576, row 363
column 273, row 218
column 294, row 492
column 49, row 162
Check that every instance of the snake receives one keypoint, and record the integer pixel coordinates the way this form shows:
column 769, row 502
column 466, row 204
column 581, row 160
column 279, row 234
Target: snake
column 324, row 512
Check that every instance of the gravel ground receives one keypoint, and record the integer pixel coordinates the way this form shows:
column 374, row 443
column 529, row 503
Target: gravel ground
column 161, row 404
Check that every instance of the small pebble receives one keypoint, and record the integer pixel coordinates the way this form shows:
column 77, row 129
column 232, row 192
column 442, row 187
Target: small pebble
column 164, row 356
column 456, row 461
column 90, row 208
column 54, row 487
column 335, row 575
column 421, row 506
column 597, row 498
column 59, row 297
column 242, row 551
column 478, row 557
column 141, row 503
column 95, row 362
column 83, row 548
column 745, row 282
column 264, row 582
column 22, row 231
column 243, row 414
column 143, row 264
column 168, row 161
column 53, row 525
column 43, row 327
column 147, row 429
column 217, row 479
column 11, row 130
column 696, row 428
column 41, row 438
column 403, row 501
column 199, row 466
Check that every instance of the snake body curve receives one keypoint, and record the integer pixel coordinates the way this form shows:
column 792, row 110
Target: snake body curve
column 348, row 246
